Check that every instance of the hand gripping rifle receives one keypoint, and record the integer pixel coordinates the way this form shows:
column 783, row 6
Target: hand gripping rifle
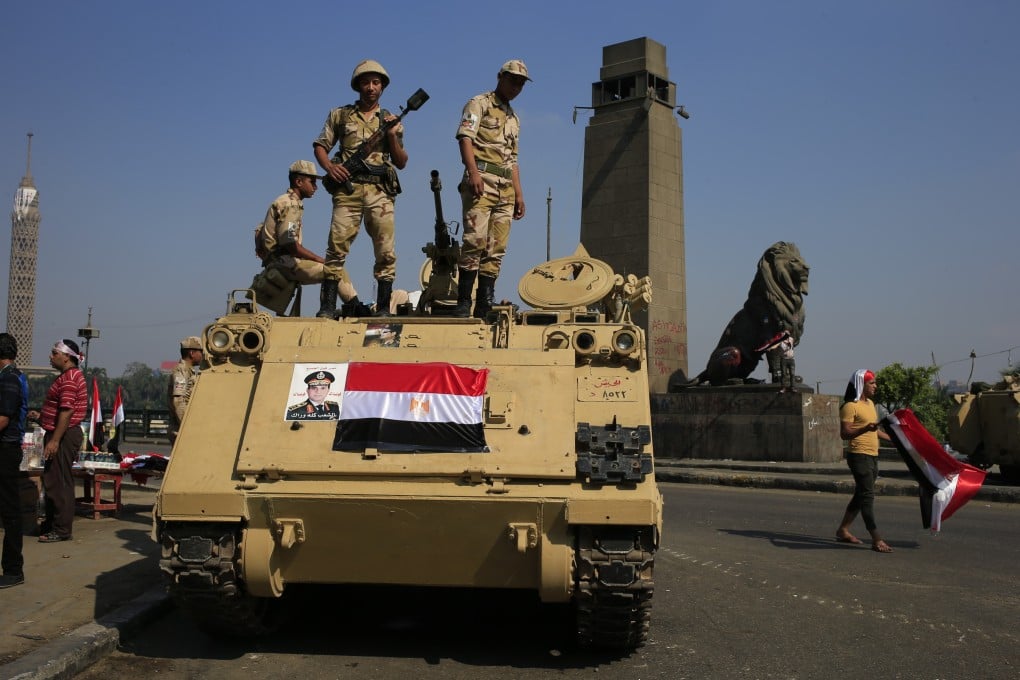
column 356, row 162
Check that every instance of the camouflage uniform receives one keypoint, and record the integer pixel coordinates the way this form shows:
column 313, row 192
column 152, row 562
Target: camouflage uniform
column 493, row 128
column 182, row 382
column 348, row 127
column 281, row 228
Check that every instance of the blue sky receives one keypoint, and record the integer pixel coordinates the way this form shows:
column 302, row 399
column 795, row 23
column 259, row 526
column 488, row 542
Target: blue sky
column 880, row 137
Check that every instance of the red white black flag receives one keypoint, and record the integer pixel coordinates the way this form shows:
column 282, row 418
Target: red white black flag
column 116, row 424
column 433, row 407
column 95, row 419
column 945, row 483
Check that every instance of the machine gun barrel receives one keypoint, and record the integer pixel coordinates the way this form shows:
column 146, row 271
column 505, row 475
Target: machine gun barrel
column 442, row 233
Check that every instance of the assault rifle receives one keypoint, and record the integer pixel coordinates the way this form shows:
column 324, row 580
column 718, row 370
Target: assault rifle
column 356, row 163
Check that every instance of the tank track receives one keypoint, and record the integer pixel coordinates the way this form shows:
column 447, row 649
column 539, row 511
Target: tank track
column 200, row 561
column 613, row 600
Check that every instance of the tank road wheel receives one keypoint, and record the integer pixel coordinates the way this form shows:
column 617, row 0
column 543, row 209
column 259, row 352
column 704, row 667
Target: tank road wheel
column 232, row 616
column 613, row 597
column 200, row 561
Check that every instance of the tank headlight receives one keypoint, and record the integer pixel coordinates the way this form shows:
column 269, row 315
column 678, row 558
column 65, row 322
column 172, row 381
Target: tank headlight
column 624, row 342
column 584, row 342
column 221, row 340
column 557, row 340
column 252, row 341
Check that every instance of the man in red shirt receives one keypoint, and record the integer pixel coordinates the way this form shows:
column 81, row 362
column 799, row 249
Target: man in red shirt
column 62, row 413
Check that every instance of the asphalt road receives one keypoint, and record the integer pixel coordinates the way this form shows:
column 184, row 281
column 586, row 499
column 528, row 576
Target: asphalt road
column 749, row 584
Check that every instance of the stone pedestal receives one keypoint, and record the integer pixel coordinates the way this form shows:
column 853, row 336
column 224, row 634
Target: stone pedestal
column 747, row 422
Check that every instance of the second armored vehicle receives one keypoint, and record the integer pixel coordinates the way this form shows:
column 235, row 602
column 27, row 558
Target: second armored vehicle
column 984, row 424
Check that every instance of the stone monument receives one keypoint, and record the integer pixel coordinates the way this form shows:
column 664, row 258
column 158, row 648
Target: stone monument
column 723, row 413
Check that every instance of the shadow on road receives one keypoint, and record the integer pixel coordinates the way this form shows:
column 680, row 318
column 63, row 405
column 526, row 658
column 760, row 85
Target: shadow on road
column 791, row 541
column 476, row 627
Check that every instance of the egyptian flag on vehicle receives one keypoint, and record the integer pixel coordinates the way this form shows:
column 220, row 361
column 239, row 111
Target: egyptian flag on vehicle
column 945, row 483
column 412, row 407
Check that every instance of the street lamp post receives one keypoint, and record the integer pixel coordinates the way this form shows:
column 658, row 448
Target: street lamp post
column 87, row 334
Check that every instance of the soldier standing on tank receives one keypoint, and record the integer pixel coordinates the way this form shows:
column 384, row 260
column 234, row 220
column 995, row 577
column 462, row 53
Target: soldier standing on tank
column 373, row 193
column 278, row 238
column 490, row 191
column 182, row 382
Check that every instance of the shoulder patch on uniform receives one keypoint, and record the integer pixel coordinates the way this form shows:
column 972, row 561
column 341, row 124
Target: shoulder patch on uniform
column 469, row 122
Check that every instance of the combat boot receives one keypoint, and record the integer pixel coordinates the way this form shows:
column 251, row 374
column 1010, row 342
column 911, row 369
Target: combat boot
column 483, row 298
column 384, row 290
column 465, row 284
column 327, row 300
column 355, row 307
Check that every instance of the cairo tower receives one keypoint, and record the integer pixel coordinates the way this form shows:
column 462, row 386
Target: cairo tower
column 24, row 253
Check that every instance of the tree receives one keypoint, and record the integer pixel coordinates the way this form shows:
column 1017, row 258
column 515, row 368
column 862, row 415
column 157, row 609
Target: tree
column 144, row 387
column 913, row 387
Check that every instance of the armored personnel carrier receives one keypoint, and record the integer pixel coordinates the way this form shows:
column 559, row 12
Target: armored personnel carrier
column 510, row 452
column 984, row 425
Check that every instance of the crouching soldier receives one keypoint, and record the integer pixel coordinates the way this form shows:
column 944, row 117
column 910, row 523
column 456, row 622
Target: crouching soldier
column 287, row 263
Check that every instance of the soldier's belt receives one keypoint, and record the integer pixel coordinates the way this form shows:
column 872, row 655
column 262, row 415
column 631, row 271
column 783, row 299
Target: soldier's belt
column 361, row 178
column 505, row 173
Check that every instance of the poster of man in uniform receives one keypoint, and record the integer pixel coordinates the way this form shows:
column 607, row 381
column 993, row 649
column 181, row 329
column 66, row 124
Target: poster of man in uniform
column 382, row 335
column 316, row 392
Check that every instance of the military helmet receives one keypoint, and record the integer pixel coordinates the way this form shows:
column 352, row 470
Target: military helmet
column 514, row 67
column 303, row 168
column 369, row 66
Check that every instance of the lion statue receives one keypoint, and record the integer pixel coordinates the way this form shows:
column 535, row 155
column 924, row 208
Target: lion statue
column 771, row 322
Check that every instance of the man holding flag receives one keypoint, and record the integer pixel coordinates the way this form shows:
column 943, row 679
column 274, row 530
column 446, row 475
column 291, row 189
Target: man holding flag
column 858, row 426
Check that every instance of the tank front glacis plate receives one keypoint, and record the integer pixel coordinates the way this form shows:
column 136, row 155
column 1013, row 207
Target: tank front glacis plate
column 409, row 541
column 533, row 402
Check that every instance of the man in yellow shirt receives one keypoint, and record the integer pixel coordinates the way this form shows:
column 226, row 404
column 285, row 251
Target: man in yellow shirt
column 858, row 426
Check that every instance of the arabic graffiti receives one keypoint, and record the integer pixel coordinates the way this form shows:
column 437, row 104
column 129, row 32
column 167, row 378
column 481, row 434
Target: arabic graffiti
column 664, row 325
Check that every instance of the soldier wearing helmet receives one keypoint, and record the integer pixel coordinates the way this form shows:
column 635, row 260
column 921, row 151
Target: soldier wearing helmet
column 278, row 239
column 490, row 191
column 372, row 199
column 182, row 383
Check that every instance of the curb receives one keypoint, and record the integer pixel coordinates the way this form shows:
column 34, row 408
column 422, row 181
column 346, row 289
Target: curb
column 815, row 482
column 70, row 654
column 766, row 481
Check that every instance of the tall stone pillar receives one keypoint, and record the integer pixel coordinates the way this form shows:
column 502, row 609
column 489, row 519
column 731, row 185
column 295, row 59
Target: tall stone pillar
column 24, row 253
column 632, row 213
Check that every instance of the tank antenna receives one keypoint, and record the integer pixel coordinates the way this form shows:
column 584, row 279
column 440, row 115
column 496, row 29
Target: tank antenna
column 548, row 224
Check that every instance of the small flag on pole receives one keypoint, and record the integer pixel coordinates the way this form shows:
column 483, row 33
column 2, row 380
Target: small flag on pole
column 95, row 419
column 116, row 424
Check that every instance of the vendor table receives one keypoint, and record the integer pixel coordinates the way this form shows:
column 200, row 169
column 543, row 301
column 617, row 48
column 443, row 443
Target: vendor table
column 91, row 501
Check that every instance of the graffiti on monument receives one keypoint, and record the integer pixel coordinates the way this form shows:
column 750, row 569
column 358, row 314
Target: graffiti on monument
column 667, row 345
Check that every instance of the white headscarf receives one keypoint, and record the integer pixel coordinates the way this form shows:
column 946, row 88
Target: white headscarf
column 858, row 381
column 64, row 349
